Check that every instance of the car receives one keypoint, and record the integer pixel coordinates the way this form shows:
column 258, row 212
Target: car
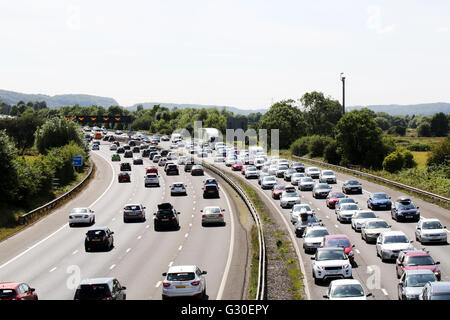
column 298, row 210
column 128, row 154
column 212, row 215
column 431, row 231
column 100, row 289
column 113, row 147
column 268, row 182
column 346, row 289
column 177, row 188
column 182, row 281
column 321, row 190
column 163, row 138
column 272, row 169
column 172, row 169
column 219, row 158
column 120, row 150
column 251, row 173
column 133, row 211
column 95, row 147
column 197, row 170
column 333, row 197
column 437, row 290
column 230, row 160
column 346, row 212
column 166, row 216
column 115, row 157
column 371, row 229
column 124, row 177
column 210, row 190
column 416, row 260
column 151, row 179
column 304, row 222
column 341, row 241
column 188, row 166
column 99, row 238
column 296, row 177
column 360, row 217
column 138, row 160
column 17, row 291
column 298, row 166
column 277, row 190
column 412, row 282
column 81, row 216
column 288, row 174
column 261, row 177
column 125, row 166
column 151, row 169
column 330, row 263
column 182, row 160
column 379, row 200
column 259, row 163
column 390, row 243
column 405, row 210
column 146, row 153
column 289, row 197
column 152, row 154
column 327, row 176
column 351, row 186
column 172, row 156
column 136, row 149
column 156, row 158
column 305, row 184
column 281, row 170
column 164, row 152
column 313, row 237
column 312, row 172
column 96, row 143
column 237, row 165
column 132, row 143
column 127, row 147
column 210, row 180
column 117, row 143
column 118, row 132
column 341, row 201
column 284, row 162
column 162, row 162
column 173, row 145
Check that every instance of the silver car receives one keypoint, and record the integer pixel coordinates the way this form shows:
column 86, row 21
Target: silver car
column 412, row 282
column 360, row 217
column 212, row 215
column 296, row 177
column 327, row 176
column 289, row 198
column 321, row 190
column 306, row 183
column 313, row 237
column 268, row 182
column 346, row 212
column 184, row 281
column 437, row 290
column 81, row 216
column 430, row 230
column 312, row 172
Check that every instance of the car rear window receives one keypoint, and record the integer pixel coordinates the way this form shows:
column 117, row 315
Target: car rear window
column 93, row 291
column 181, row 276
column 79, row 210
column 7, row 293
column 96, row 233
column 211, row 187
column 132, row 208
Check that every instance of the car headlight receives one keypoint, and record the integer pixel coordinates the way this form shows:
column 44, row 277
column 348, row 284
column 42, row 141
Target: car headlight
column 347, row 266
column 318, row 267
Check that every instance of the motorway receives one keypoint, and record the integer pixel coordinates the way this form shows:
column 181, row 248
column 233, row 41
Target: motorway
column 50, row 256
column 376, row 277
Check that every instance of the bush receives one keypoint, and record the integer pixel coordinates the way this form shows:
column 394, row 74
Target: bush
column 56, row 133
column 398, row 160
column 397, row 130
column 300, row 147
column 424, row 130
column 331, row 154
column 317, row 145
column 60, row 160
column 419, row 147
column 440, row 154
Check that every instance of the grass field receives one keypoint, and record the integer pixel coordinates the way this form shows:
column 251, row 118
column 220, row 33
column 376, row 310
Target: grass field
column 420, row 158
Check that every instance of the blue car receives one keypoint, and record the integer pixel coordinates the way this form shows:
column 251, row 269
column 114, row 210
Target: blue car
column 379, row 200
column 405, row 210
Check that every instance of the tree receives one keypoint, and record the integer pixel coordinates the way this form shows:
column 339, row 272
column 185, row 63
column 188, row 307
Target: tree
column 56, row 133
column 285, row 117
column 440, row 153
column 439, row 125
column 22, row 129
column 383, row 123
column 8, row 182
column 424, row 129
column 139, row 107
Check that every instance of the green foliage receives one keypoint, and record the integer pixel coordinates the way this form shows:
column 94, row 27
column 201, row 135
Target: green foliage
column 317, row 145
column 56, row 133
column 331, row 154
column 419, row 147
column 424, row 129
column 397, row 130
column 440, row 154
column 300, row 147
column 383, row 123
column 398, row 160
column 439, row 125
column 8, row 181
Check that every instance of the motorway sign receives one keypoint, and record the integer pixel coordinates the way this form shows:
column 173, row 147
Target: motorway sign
column 77, row 161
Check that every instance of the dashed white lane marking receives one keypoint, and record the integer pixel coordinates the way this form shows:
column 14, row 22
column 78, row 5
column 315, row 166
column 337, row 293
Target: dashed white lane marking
column 180, row 247
column 147, row 226
column 336, row 226
column 113, row 219
column 186, row 235
column 112, row 267
column 170, row 264
column 318, row 209
column 139, row 237
column 128, row 250
column 384, row 291
column 52, row 269
column 75, row 252
column 192, row 216
column 190, row 224
column 357, row 251
column 158, row 284
column 328, row 217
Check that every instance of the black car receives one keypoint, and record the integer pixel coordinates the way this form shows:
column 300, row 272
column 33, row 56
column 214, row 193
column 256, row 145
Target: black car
column 404, row 210
column 120, row 150
column 136, row 149
column 145, row 153
column 172, row 169
column 166, row 216
column 211, row 190
column 152, row 154
column 100, row 289
column 126, row 147
column 188, row 167
column 128, row 154
column 99, row 238
column 125, row 166
column 298, row 166
column 132, row 143
column 305, row 221
column 111, row 139
column 164, row 153
column 351, row 186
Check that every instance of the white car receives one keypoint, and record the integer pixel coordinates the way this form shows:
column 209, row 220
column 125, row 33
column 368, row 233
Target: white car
column 113, row 147
column 313, row 237
column 183, row 281
column 360, row 217
column 272, row 169
column 346, row 212
column 177, row 188
column 327, row 176
column 219, row 158
column 305, row 183
column 229, row 161
column 182, row 160
column 172, row 156
column 312, row 172
column 151, row 179
column 259, row 163
column 300, row 208
column 283, row 162
column 81, row 216
column 390, row 243
column 371, row 229
column 281, row 170
column 296, row 178
column 330, row 262
column 212, row 215
column 430, row 230
column 268, row 182
column 274, row 159
column 289, row 198
column 251, row 172
column 346, row 289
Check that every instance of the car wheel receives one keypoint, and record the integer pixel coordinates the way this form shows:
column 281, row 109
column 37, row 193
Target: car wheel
column 87, row 249
column 70, row 224
column 93, row 221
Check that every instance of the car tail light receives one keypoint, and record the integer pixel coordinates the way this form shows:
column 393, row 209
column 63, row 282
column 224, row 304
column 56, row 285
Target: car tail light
column 173, row 218
column 166, row 284
column 203, row 215
column 195, row 283
column 220, row 215
column 104, row 237
column 70, row 217
column 107, row 298
column 86, row 216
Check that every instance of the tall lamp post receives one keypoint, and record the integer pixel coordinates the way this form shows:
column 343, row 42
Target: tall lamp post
column 343, row 92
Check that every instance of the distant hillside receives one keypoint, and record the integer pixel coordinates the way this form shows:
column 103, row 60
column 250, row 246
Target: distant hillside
column 148, row 105
column 56, row 101
column 403, row 110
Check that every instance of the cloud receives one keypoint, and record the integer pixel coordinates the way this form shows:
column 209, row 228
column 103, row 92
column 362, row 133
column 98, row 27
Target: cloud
column 442, row 30
column 374, row 21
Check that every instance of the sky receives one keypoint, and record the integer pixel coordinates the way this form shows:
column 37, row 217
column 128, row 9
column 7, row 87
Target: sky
column 247, row 54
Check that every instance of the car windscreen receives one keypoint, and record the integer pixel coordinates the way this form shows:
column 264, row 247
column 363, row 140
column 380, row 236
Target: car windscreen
column 80, row 210
column 93, row 291
column 181, row 276
column 419, row 280
column 377, row 225
column 313, row 170
column 406, row 205
column 279, row 187
column 323, row 186
column 307, row 179
column 396, row 239
column 432, row 225
column 302, row 207
column 380, row 196
column 317, row 233
column 338, row 242
column 7, row 293
column 353, row 182
column 337, row 195
column 440, row 296
column 269, row 179
column 419, row 261
column 349, row 206
column 283, row 167
column 323, row 255
column 347, row 291
column 290, row 194
column 96, row 233
column 346, row 200
column 212, row 210
column 328, row 173
column 365, row 215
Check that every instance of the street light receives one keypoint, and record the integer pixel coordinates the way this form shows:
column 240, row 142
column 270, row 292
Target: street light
column 343, row 93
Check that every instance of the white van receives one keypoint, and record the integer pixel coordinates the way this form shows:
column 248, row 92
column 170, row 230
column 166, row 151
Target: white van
column 259, row 163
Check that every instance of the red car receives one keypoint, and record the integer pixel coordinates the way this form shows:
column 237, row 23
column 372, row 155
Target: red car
column 17, row 291
column 117, row 143
column 340, row 240
column 237, row 166
column 277, row 191
column 124, row 177
column 151, row 169
column 416, row 260
column 333, row 197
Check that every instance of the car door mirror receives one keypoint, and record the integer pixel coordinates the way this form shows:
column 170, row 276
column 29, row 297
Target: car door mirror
column 204, row 272
column 32, row 289
column 437, row 262
column 112, row 232
column 313, row 258
column 124, row 288
column 369, row 295
column 178, row 212
column 164, row 274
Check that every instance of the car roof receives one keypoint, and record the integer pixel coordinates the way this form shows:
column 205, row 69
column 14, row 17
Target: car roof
column 99, row 229
column 415, row 253
column 418, row 271
column 394, row 233
column 339, row 282
column 317, row 227
column 185, row 268
column 9, row 285
column 133, row 204
column 429, row 220
column 337, row 236
column 440, row 286
column 96, row 281
column 329, row 249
